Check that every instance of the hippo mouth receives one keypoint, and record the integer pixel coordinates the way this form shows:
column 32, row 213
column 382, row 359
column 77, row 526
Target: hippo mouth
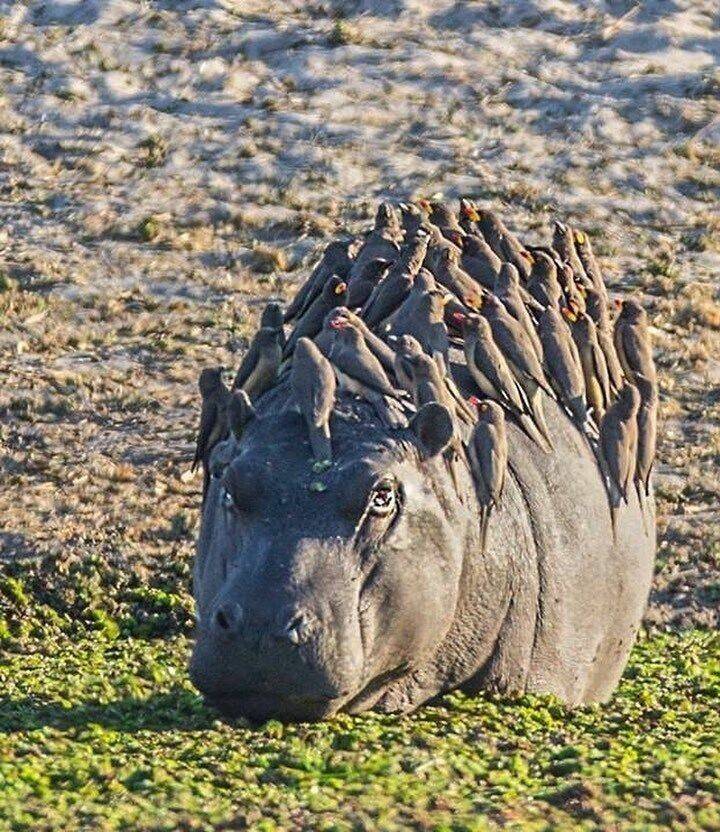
column 259, row 706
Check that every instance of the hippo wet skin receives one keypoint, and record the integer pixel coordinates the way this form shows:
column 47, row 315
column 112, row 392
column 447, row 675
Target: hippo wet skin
column 314, row 598
column 378, row 579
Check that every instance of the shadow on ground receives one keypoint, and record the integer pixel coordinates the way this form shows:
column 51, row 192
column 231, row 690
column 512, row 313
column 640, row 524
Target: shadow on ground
column 177, row 709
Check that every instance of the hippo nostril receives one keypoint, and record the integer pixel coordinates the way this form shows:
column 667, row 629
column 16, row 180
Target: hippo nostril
column 297, row 631
column 227, row 618
column 293, row 635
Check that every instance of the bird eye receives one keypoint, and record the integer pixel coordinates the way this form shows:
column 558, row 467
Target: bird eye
column 383, row 500
column 227, row 499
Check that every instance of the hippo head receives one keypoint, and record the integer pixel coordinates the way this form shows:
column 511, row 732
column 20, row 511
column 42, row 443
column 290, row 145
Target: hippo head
column 319, row 586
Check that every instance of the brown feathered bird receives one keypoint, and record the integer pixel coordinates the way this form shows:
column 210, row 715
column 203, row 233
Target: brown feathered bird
column 336, row 260
column 334, row 293
column 313, row 384
column 619, row 437
column 647, row 433
column 632, row 342
column 592, row 359
column 213, row 419
column 493, row 376
column 487, row 453
column 563, row 364
column 359, row 372
column 504, row 243
column 258, row 370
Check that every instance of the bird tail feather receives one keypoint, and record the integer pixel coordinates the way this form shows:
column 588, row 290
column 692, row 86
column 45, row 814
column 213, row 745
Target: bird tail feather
column 643, row 506
column 320, row 441
column 538, row 415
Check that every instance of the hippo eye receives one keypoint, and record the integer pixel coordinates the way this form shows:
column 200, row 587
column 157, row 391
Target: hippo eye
column 227, row 499
column 383, row 499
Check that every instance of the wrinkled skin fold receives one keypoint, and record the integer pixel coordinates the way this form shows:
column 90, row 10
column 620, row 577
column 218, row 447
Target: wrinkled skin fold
column 363, row 585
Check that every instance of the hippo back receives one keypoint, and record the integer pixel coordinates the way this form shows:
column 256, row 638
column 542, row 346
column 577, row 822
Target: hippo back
column 554, row 602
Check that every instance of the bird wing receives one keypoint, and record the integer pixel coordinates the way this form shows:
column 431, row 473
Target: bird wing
column 520, row 351
column 509, row 386
column 647, row 438
column 372, row 299
column 637, row 349
column 600, row 370
column 246, row 365
column 564, row 369
column 461, row 408
column 298, row 302
column 365, row 368
column 313, row 287
column 488, row 462
column 392, row 291
column 475, row 458
column 631, row 452
column 615, row 450
column 376, row 246
column 317, row 392
column 493, row 465
column 308, row 325
column 497, row 468
column 619, row 341
column 379, row 349
column 518, row 310
column 263, row 373
column 208, row 418
column 359, row 291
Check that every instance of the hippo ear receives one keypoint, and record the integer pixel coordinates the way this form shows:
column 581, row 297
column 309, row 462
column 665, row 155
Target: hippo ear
column 433, row 426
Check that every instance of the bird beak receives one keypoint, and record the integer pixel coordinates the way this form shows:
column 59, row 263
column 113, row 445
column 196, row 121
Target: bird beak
column 580, row 237
column 568, row 315
column 468, row 210
column 459, row 317
column 340, row 288
column 474, row 400
column 618, row 303
column 528, row 256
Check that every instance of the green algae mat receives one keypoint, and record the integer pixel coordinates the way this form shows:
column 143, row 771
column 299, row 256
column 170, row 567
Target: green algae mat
column 107, row 734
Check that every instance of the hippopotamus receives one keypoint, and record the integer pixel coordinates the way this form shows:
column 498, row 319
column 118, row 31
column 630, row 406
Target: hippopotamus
column 363, row 584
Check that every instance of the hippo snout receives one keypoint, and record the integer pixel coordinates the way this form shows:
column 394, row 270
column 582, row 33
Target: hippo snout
column 291, row 662
column 294, row 625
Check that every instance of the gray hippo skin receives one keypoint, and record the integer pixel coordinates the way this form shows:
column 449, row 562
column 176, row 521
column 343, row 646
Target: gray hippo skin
column 313, row 598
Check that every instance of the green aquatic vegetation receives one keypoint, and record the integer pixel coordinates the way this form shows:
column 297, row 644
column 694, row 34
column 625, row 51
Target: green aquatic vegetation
column 107, row 733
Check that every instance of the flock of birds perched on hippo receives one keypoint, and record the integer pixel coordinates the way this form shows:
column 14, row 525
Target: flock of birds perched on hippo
column 379, row 314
